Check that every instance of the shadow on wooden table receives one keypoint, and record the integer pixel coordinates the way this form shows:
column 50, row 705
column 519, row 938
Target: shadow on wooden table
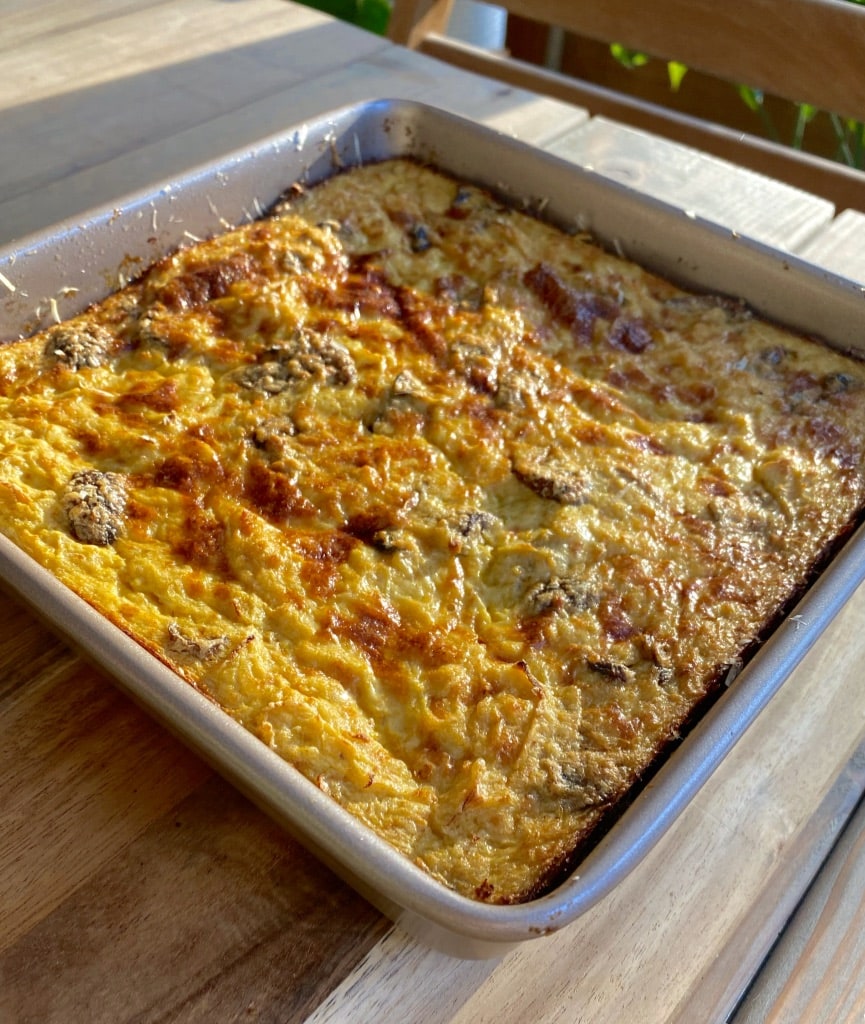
column 139, row 879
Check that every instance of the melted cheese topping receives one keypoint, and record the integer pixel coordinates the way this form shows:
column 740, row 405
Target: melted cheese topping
column 459, row 514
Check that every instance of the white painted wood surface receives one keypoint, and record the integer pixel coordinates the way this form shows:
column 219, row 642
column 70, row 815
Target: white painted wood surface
column 741, row 200
column 101, row 98
column 840, row 246
column 81, row 148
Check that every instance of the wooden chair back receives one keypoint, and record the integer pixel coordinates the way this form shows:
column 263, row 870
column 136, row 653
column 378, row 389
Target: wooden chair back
column 810, row 51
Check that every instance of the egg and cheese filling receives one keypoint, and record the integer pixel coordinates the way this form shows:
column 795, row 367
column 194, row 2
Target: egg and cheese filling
column 462, row 515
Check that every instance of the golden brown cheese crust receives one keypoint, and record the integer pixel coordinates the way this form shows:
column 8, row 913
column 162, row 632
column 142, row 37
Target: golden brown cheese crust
column 459, row 514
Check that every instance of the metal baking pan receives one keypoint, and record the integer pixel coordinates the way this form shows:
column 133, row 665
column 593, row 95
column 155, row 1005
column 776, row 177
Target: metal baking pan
column 58, row 272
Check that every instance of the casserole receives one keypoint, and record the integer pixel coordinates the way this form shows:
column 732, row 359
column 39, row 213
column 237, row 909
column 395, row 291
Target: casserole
column 359, row 136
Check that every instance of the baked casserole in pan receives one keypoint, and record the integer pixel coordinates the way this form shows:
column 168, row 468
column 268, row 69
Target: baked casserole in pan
column 461, row 514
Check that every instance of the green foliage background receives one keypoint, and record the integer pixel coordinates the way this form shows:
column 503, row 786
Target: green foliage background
column 372, row 15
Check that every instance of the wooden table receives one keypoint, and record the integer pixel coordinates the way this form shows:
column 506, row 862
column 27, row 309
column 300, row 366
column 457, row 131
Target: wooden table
column 135, row 885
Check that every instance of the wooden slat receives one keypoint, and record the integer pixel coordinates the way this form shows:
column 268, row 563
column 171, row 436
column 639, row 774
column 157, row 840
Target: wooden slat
column 841, row 246
column 814, row 975
column 102, row 92
column 55, row 17
column 745, row 202
column 212, row 914
column 87, row 48
column 411, row 20
column 82, row 773
column 378, row 70
column 842, row 186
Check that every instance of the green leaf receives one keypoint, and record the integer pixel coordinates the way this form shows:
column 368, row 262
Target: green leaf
column 628, row 58
column 859, row 145
column 345, row 10
column 676, row 72
column 844, row 153
column 752, row 98
column 805, row 113
column 374, row 15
